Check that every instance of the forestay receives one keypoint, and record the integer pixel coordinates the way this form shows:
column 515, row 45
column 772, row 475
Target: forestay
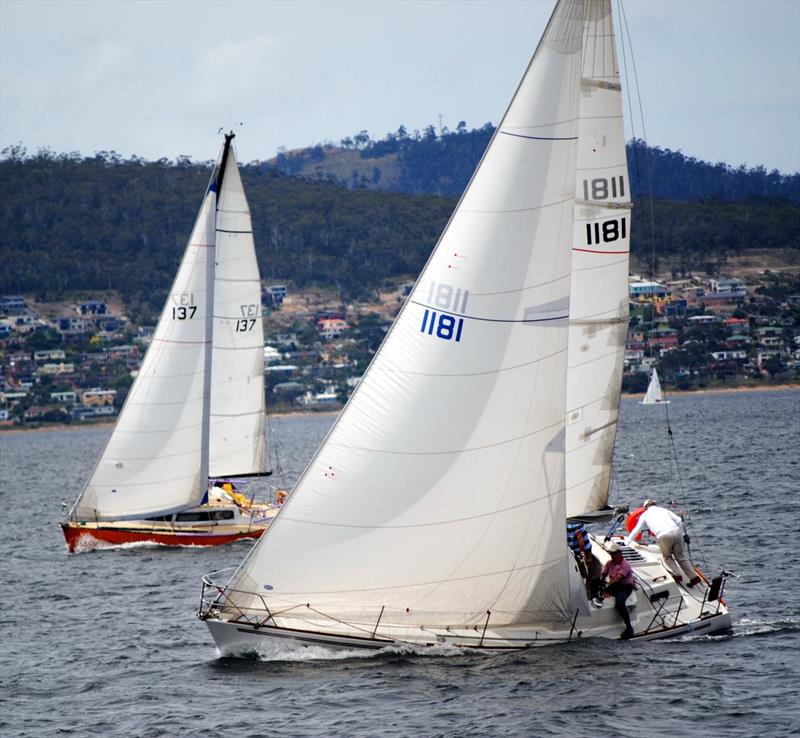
column 599, row 288
column 238, row 413
column 439, row 493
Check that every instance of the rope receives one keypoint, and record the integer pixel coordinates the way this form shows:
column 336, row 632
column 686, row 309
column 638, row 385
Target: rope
column 648, row 169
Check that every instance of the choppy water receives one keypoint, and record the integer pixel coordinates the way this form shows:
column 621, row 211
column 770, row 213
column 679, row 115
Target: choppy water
column 107, row 643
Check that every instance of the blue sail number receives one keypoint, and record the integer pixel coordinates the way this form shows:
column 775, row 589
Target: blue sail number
column 442, row 325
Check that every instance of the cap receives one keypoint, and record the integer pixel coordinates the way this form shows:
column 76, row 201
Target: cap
column 613, row 548
column 648, row 502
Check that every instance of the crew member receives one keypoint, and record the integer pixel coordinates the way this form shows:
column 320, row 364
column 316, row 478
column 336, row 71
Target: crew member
column 667, row 527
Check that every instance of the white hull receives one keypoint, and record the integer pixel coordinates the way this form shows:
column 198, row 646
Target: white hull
column 659, row 609
column 235, row 639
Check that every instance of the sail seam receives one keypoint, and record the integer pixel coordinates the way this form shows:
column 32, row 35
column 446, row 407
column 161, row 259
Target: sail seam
column 235, row 415
column 160, row 481
column 171, row 430
column 225, row 230
column 185, row 343
column 425, row 583
column 520, row 290
column 492, row 320
column 604, row 265
column 603, row 166
column 236, row 348
column 452, row 521
column 244, row 279
column 473, row 374
column 540, row 138
column 504, row 442
column 592, row 361
column 522, row 210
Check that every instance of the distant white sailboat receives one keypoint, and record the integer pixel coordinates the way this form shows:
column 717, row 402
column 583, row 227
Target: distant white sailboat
column 434, row 512
column 197, row 407
column 654, row 395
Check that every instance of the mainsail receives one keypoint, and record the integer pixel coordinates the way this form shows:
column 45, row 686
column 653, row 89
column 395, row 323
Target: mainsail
column 599, row 288
column 190, row 406
column 238, row 441
column 438, row 496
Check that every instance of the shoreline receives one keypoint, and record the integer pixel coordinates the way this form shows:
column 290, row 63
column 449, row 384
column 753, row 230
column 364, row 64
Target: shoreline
column 721, row 390
column 305, row 413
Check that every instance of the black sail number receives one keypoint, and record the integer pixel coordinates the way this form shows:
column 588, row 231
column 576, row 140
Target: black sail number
column 606, row 231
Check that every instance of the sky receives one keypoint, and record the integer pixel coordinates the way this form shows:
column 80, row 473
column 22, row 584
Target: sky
column 718, row 79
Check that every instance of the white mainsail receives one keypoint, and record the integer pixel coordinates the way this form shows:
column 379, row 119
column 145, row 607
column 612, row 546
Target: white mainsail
column 156, row 460
column 599, row 288
column 238, row 441
column 654, row 395
column 438, row 496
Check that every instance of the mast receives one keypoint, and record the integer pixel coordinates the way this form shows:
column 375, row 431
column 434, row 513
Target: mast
column 209, row 324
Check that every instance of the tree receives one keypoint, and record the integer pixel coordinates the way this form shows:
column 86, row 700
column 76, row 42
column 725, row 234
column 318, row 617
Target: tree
column 774, row 365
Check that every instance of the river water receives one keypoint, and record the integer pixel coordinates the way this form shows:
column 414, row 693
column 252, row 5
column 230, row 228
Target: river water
column 107, row 643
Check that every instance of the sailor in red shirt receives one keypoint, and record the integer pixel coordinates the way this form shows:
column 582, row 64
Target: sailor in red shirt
column 619, row 584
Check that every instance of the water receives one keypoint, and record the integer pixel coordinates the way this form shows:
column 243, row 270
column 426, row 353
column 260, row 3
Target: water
column 107, row 643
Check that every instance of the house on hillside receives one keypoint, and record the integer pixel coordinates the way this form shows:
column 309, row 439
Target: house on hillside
column 13, row 305
column 769, row 336
column 73, row 325
column 729, row 286
column 95, row 397
column 647, row 291
column 330, row 328
column 274, row 295
column 92, row 307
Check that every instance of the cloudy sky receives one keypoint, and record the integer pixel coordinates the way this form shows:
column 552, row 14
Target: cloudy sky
column 719, row 79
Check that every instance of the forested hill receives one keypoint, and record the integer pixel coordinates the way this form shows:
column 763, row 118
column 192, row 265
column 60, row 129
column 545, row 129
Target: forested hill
column 442, row 163
column 69, row 224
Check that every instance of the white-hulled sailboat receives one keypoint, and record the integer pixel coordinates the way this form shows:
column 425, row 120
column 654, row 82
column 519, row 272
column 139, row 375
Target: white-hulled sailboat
column 434, row 511
column 654, row 395
column 196, row 410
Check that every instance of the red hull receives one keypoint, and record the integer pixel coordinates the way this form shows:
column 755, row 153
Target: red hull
column 118, row 536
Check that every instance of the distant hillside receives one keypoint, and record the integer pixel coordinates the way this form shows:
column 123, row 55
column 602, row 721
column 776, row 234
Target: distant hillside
column 441, row 164
column 87, row 224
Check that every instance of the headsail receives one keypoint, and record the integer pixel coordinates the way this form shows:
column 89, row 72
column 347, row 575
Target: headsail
column 238, row 414
column 599, row 289
column 153, row 461
column 439, row 493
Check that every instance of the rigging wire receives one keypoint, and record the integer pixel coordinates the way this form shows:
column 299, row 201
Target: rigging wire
column 648, row 170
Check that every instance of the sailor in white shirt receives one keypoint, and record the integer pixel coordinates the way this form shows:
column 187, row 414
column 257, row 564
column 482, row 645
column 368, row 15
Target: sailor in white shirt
column 667, row 527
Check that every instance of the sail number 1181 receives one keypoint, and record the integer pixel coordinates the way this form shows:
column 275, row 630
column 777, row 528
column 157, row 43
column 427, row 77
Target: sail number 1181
column 606, row 231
